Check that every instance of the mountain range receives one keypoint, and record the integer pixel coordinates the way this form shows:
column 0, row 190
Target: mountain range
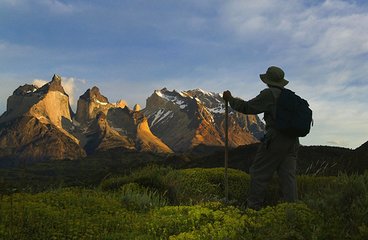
column 39, row 123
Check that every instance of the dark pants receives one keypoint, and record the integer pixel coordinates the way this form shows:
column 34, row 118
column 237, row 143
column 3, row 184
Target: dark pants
column 277, row 152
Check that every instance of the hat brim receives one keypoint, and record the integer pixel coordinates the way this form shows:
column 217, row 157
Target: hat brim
column 266, row 80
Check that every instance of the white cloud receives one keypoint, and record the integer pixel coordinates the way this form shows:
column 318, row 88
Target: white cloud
column 53, row 6
column 326, row 31
column 69, row 87
column 58, row 6
column 39, row 82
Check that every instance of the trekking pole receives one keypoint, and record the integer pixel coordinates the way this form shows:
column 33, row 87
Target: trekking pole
column 226, row 150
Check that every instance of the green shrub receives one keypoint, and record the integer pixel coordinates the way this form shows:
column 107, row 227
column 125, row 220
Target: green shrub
column 216, row 221
column 344, row 208
column 185, row 186
column 199, row 184
column 316, row 187
column 66, row 214
column 150, row 176
column 140, row 198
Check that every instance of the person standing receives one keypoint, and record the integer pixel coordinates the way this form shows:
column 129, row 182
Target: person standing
column 278, row 151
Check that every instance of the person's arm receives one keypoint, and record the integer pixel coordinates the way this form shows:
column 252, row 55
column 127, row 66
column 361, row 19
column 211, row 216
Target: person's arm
column 259, row 104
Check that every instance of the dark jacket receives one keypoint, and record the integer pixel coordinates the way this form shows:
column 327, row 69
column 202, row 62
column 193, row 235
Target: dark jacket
column 265, row 103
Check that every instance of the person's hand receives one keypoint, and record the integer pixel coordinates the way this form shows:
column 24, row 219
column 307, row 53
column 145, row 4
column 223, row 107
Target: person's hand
column 227, row 95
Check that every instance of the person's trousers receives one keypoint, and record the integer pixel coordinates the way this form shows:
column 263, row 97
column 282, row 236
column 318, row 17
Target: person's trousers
column 277, row 152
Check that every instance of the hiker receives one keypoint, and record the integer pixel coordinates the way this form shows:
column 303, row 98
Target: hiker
column 278, row 151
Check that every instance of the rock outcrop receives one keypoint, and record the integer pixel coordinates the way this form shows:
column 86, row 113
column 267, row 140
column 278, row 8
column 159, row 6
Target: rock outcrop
column 134, row 125
column 102, row 137
column 90, row 104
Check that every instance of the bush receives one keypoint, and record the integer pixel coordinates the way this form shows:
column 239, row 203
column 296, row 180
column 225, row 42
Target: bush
column 187, row 186
column 217, row 221
column 196, row 185
column 138, row 198
column 344, row 208
column 150, row 176
column 66, row 214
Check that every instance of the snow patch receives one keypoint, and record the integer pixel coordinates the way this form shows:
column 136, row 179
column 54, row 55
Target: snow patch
column 158, row 93
column 204, row 92
column 160, row 115
column 183, row 94
column 218, row 109
column 172, row 99
column 101, row 103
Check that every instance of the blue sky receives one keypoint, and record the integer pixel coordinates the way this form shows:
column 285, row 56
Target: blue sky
column 130, row 48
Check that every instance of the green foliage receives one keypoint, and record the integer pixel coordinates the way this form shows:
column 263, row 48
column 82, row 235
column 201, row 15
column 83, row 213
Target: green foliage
column 140, row 198
column 150, row 176
column 135, row 206
column 187, row 186
column 64, row 214
column 216, row 221
column 344, row 208
column 202, row 184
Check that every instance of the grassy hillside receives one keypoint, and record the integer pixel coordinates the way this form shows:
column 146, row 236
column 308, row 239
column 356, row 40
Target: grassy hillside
column 156, row 202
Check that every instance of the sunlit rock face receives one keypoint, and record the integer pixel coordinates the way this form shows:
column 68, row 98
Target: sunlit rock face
column 35, row 124
column 108, row 126
column 134, row 125
column 49, row 104
column 187, row 119
column 90, row 104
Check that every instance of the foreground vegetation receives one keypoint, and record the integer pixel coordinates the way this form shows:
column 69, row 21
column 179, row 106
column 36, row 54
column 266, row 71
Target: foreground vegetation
column 163, row 203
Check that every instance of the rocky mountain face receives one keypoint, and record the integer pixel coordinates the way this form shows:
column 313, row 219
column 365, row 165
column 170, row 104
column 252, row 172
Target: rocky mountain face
column 29, row 138
column 188, row 119
column 33, row 125
column 39, row 123
column 106, row 125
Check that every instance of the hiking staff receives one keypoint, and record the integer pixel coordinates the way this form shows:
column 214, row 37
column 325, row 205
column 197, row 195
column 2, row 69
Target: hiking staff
column 226, row 150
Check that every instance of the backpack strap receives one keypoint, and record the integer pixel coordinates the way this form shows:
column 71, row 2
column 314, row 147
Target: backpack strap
column 276, row 91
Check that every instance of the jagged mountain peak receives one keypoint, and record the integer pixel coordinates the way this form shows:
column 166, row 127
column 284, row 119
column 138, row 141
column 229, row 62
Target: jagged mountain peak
column 53, row 85
column 30, row 89
column 90, row 104
column 94, row 94
column 177, row 98
column 186, row 119
column 48, row 103
column 137, row 108
column 121, row 103
column 212, row 101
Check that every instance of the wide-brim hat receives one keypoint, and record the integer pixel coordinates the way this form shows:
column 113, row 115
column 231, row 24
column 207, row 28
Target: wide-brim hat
column 274, row 77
